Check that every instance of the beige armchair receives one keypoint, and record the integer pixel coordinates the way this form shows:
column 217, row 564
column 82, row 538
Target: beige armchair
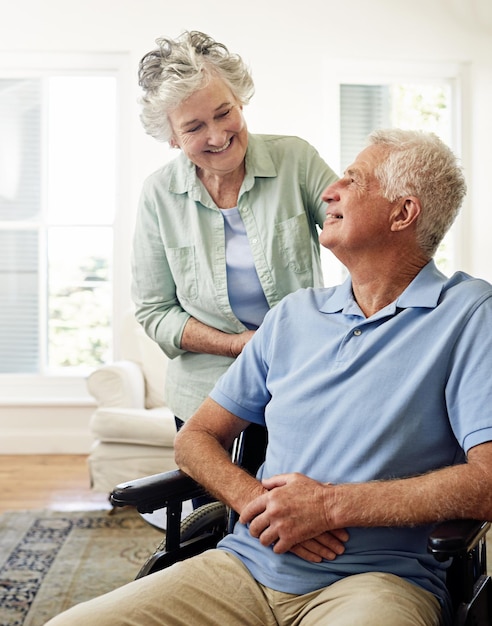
column 133, row 429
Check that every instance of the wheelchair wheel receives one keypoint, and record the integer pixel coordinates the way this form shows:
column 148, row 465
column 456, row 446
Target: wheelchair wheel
column 208, row 520
column 209, row 517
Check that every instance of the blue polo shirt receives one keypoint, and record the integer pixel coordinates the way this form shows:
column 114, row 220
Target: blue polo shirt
column 347, row 398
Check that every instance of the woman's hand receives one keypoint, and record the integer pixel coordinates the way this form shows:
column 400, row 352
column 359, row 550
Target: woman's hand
column 198, row 337
column 239, row 341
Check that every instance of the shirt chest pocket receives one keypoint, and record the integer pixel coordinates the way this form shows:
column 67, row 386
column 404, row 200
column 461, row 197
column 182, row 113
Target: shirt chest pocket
column 182, row 262
column 294, row 241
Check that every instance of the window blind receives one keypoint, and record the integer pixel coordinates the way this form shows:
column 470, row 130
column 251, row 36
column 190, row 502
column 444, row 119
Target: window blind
column 363, row 108
column 20, row 205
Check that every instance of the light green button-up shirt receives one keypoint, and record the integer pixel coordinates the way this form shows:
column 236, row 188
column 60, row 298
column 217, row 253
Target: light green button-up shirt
column 179, row 263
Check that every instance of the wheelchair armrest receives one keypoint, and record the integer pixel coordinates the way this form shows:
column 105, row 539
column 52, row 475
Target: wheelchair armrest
column 456, row 537
column 156, row 492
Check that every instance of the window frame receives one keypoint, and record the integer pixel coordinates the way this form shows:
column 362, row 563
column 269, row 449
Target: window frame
column 70, row 386
column 378, row 72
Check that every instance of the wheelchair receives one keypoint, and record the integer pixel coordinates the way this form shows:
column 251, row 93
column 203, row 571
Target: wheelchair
column 462, row 541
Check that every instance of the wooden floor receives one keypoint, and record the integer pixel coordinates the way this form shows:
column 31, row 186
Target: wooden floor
column 58, row 482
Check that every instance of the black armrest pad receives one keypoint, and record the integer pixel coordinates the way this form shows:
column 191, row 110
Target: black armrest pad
column 456, row 537
column 157, row 491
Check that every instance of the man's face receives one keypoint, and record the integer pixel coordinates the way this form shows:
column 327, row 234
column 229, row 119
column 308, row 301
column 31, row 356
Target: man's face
column 357, row 216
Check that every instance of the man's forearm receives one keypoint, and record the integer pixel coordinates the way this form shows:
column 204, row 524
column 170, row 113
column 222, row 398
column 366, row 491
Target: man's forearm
column 462, row 491
column 296, row 508
column 213, row 469
column 204, row 455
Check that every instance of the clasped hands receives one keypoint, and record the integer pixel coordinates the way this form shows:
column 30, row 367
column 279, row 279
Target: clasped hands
column 290, row 515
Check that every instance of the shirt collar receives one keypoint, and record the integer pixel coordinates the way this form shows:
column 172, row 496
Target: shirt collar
column 424, row 291
column 259, row 163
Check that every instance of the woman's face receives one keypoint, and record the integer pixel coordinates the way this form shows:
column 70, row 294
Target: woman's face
column 210, row 129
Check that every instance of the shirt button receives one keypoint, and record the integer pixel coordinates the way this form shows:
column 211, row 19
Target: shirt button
column 357, row 332
column 254, row 241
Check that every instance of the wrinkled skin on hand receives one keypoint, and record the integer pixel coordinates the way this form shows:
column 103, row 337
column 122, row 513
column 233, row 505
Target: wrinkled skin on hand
column 290, row 515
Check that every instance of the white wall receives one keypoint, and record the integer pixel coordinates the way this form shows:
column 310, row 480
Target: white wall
column 287, row 46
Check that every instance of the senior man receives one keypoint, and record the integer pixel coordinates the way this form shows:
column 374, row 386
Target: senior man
column 377, row 399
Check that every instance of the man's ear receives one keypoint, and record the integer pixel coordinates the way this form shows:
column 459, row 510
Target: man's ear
column 406, row 213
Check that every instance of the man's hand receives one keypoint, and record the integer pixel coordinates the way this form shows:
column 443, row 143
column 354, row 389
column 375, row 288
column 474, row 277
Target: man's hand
column 327, row 546
column 290, row 515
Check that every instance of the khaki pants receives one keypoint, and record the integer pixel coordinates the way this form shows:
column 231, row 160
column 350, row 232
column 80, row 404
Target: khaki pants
column 215, row 589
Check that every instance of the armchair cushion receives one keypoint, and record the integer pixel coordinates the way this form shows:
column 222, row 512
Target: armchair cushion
column 153, row 362
column 118, row 384
column 144, row 427
column 132, row 427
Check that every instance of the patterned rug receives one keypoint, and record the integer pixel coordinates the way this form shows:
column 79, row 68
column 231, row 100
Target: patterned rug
column 50, row 560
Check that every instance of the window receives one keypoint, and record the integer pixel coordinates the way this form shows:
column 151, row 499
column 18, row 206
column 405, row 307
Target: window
column 414, row 105
column 367, row 96
column 58, row 190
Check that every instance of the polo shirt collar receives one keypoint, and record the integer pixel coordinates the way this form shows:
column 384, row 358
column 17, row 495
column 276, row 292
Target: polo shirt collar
column 423, row 292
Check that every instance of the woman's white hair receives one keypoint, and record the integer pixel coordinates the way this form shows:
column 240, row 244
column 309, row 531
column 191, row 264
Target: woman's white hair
column 422, row 165
column 177, row 68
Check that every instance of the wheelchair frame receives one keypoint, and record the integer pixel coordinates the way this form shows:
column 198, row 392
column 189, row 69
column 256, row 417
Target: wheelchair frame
column 463, row 541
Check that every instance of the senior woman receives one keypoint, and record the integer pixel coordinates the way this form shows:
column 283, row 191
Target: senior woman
column 226, row 229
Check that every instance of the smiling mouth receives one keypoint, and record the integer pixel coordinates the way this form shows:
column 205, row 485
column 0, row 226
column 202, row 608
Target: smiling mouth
column 334, row 216
column 222, row 149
